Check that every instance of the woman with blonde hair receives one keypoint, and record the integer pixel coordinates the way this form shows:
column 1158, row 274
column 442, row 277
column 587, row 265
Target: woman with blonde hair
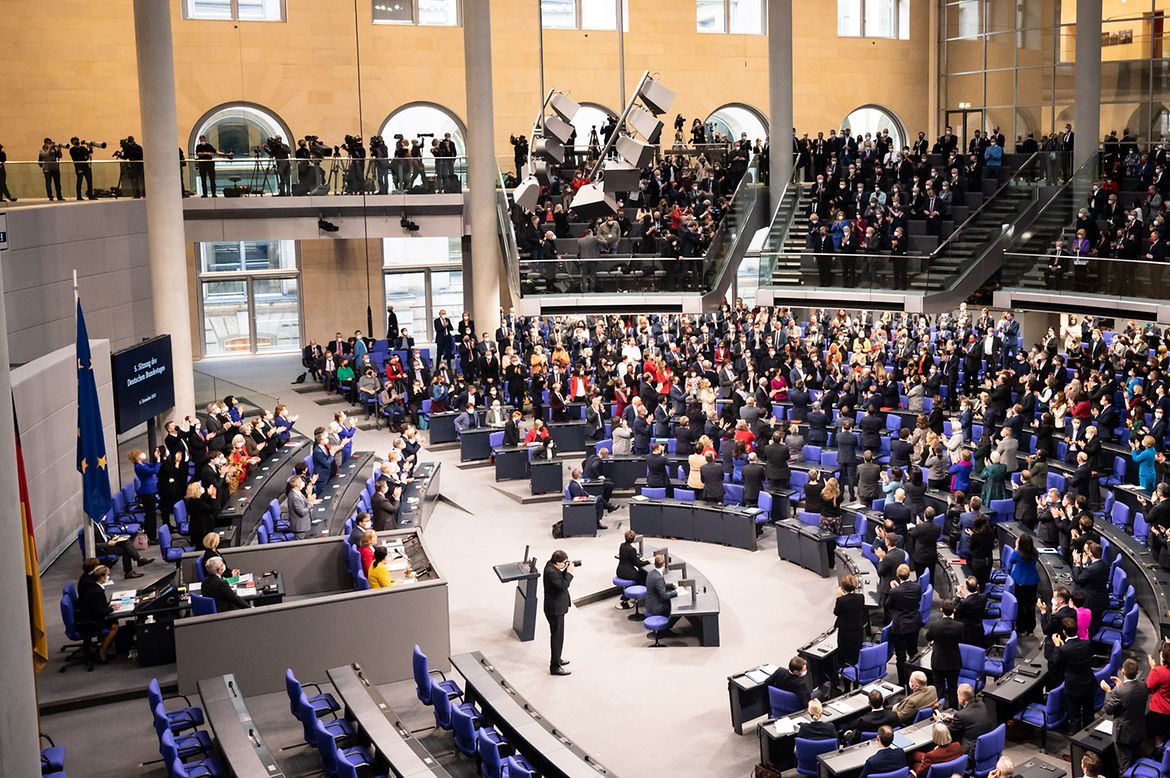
column 831, row 506
column 707, row 396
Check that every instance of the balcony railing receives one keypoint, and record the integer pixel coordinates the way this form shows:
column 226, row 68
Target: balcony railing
column 1103, row 278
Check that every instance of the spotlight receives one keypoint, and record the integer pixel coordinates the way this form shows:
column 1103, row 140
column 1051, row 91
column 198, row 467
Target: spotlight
column 549, row 149
column 527, row 193
column 645, row 124
column 564, row 107
column 593, row 202
column 555, row 128
column 634, row 151
column 656, row 97
column 618, row 176
column 324, row 226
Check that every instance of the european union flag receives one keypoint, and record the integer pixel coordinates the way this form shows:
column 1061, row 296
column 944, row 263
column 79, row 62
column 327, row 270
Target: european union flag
column 91, row 443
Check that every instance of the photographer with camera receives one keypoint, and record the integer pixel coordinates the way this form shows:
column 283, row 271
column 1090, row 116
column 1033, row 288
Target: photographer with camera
column 355, row 176
column 446, row 171
column 81, row 152
column 49, row 159
column 131, row 173
column 380, row 155
column 276, row 148
column 206, row 153
column 558, row 574
column 400, row 167
column 520, row 153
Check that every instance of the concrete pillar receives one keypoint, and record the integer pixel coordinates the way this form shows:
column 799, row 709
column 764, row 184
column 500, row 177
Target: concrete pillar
column 932, row 74
column 482, row 171
column 780, row 121
column 18, row 713
column 1087, row 109
column 164, row 199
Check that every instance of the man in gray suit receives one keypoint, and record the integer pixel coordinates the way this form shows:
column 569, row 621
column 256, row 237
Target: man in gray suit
column 588, row 248
column 1008, row 448
column 300, row 509
column 658, row 592
column 1126, row 703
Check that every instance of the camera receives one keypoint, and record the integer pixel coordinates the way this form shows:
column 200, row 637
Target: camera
column 575, row 562
column 353, row 146
column 426, row 135
column 317, row 148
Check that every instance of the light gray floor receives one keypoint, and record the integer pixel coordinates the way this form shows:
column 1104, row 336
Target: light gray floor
column 637, row 710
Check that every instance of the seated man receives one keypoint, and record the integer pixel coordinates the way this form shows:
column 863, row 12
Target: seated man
column 795, row 680
column 922, row 695
column 875, row 718
column 591, row 471
column 814, row 728
column 220, row 590
column 888, row 756
column 658, row 592
column 467, row 420
column 123, row 548
column 972, row 720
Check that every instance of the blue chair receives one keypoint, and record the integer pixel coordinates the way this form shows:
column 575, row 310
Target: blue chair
column 1118, row 581
column 867, row 552
column 333, row 757
column 516, row 767
column 811, row 519
column 997, row 666
column 1047, row 715
column 53, row 757
column 207, row 766
column 1141, row 529
column 807, row 752
column 901, row 773
column 1126, row 635
column 782, row 702
column 829, row 461
column 854, row 540
column 988, row 750
column 1002, row 510
column 1119, row 516
column 179, row 512
column 169, row 552
column 922, row 715
column 1003, row 624
column 947, row 769
column 687, row 495
column 197, row 742
column 463, row 725
column 444, row 710
column 496, row 439
column 636, row 594
column 180, row 719
column 812, row 454
column 871, row 665
column 654, row 492
column 655, row 625
column 203, row 606
column 1148, row 768
column 423, row 677
column 924, row 602
column 321, row 702
column 1115, row 617
column 974, row 660
column 732, row 494
column 335, row 729
column 488, row 743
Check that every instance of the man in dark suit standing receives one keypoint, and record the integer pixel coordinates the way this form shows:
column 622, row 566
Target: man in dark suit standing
column 558, row 575
column 385, row 506
column 971, row 611
column 712, row 475
column 591, row 469
column 905, row 620
column 887, row 758
column 656, row 475
column 218, row 589
column 444, row 337
column 898, row 511
column 512, row 430
column 1093, row 578
column 945, row 660
column 891, row 558
column 923, row 538
column 1052, row 624
column 847, row 458
column 1072, row 664
column 753, row 479
column 1126, row 703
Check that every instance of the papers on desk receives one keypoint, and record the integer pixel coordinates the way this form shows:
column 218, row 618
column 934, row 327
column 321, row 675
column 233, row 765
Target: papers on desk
column 838, row 708
column 1046, row 550
column 123, row 600
column 195, row 587
column 784, row 727
column 639, row 498
column 757, row 676
column 1105, row 726
column 903, row 742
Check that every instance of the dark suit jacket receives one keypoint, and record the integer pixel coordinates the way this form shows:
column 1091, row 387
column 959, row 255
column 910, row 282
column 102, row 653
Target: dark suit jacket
column 884, row 760
column 817, row 730
column 656, row 475
column 556, row 590
column 847, row 448
column 753, row 481
column 591, row 468
column 511, row 433
column 971, row 723
column 899, row 512
column 924, row 536
column 902, row 606
column 888, row 568
column 630, row 565
column 1127, row 705
column 225, row 597
column 712, row 475
column 1094, row 582
column 971, row 610
column 873, row 719
column 798, row 685
column 946, row 634
column 384, row 511
column 658, row 594
column 1073, row 664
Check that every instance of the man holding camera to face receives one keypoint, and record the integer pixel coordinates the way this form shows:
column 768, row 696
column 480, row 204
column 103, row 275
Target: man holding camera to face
column 558, row 574
column 81, row 153
column 279, row 151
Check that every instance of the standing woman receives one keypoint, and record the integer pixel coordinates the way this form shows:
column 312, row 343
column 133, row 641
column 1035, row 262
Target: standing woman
column 466, row 326
column 852, row 620
column 1145, row 458
column 1027, row 581
column 831, row 506
column 994, row 477
column 1158, row 682
column 147, row 474
column 201, row 509
column 982, row 548
column 173, row 476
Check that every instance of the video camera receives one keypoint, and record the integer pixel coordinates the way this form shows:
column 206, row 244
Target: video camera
column 317, row 148
column 353, row 146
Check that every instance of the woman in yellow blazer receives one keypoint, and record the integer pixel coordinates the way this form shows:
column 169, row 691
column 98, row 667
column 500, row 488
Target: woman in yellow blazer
column 379, row 575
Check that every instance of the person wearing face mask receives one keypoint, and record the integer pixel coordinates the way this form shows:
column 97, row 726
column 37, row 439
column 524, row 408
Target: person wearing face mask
column 146, row 470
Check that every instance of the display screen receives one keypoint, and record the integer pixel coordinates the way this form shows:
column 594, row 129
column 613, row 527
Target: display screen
column 144, row 383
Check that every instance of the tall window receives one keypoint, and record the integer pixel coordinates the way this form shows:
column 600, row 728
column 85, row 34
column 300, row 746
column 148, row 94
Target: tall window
column 429, row 13
column 239, row 10
column 738, row 17
column 872, row 119
column 873, row 19
column 249, row 297
column 583, row 14
column 423, row 276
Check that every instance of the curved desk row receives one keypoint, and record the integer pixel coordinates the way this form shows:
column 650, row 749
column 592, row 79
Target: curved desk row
column 698, row 603
column 419, row 497
column 1150, row 581
column 548, row 749
column 393, row 744
column 265, row 483
column 699, row 521
column 244, row 750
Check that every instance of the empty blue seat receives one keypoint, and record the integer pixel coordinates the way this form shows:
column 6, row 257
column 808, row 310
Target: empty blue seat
column 1046, row 715
column 423, row 677
column 654, row 492
column 655, row 625
column 988, row 750
column 321, row 702
column 807, row 752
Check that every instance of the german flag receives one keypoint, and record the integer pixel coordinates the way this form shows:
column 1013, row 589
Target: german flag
column 32, row 567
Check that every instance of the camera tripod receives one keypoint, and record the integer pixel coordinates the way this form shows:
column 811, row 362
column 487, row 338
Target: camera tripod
column 261, row 170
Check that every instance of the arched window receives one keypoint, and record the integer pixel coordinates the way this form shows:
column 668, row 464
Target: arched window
column 735, row 119
column 591, row 115
column 239, row 128
column 873, row 119
column 416, row 119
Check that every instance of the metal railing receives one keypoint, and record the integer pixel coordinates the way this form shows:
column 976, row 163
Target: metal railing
column 511, row 251
column 1105, row 278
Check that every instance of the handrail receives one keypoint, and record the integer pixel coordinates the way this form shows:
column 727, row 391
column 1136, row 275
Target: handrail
column 508, row 237
column 986, row 202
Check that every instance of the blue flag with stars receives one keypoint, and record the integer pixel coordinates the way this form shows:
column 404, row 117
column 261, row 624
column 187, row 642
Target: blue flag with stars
column 91, row 442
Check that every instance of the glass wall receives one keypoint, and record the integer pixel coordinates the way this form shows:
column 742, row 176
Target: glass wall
column 249, row 297
column 423, row 276
column 1011, row 64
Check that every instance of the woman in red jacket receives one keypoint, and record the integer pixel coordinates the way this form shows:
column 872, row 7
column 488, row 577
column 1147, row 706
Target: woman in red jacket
column 1158, row 682
column 366, row 549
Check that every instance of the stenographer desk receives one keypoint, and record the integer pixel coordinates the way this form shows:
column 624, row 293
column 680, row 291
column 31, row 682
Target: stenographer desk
column 803, row 544
column 244, row 749
column 419, row 497
column 545, row 747
column 704, row 522
column 395, row 748
column 701, row 610
column 777, row 737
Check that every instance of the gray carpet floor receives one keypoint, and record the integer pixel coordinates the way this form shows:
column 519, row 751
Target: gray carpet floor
column 639, row 711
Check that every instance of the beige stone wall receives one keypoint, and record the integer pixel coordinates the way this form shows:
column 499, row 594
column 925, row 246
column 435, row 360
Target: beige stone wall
column 70, row 68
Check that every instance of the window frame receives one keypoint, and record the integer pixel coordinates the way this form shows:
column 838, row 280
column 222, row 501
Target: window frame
column 726, row 29
column 203, row 277
column 414, row 16
column 899, row 18
column 234, row 10
column 578, row 16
